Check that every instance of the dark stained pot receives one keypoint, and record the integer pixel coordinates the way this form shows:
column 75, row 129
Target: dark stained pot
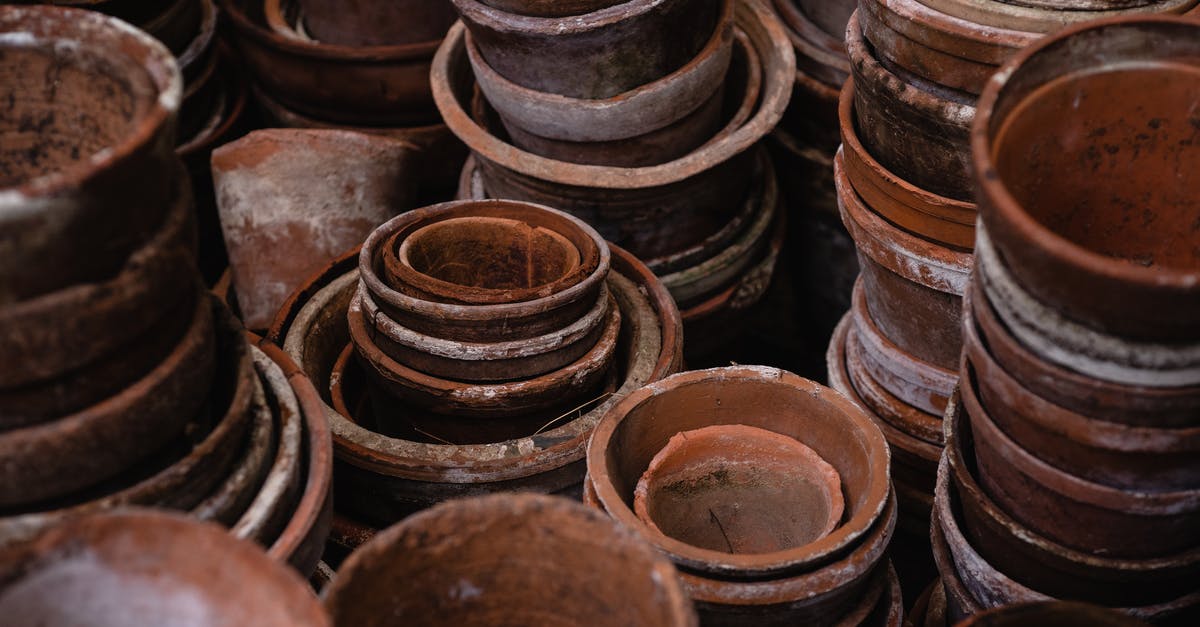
column 1044, row 16
column 1051, row 613
column 363, row 23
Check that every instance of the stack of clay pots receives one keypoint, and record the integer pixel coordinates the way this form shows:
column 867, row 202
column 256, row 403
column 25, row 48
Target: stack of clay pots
column 770, row 493
column 471, row 348
column 123, row 382
column 1072, row 468
column 641, row 118
column 362, row 65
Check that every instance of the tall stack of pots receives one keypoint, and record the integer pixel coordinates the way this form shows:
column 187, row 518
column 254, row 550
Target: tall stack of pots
column 1072, row 467
column 360, row 66
column 646, row 132
column 123, row 382
column 770, row 493
column 412, row 343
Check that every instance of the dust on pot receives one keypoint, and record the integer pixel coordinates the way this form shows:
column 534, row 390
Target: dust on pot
column 1140, row 77
column 363, row 23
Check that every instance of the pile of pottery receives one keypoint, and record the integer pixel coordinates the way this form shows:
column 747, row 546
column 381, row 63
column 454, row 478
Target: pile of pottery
column 123, row 382
column 1072, row 467
column 641, row 118
column 769, row 492
column 471, row 347
column 361, row 66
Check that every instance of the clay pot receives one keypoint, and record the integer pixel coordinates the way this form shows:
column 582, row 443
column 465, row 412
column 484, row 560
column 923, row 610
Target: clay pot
column 375, row 85
column 629, row 205
column 363, row 23
column 1151, row 587
column 1048, row 16
column 229, row 500
column 820, row 52
column 551, row 8
column 512, row 554
column 384, row 479
column 1051, row 613
column 198, row 62
column 123, row 568
column 773, row 492
column 944, row 220
column 608, row 51
column 1113, row 454
column 62, row 197
column 840, row 433
column 1139, row 284
column 913, row 286
column 175, row 24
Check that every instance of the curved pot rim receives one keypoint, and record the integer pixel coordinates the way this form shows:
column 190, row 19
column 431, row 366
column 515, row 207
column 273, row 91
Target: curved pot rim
column 502, row 21
column 1044, row 20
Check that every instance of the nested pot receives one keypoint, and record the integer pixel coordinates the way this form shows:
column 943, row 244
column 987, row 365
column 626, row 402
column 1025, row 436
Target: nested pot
column 507, row 559
column 934, row 217
column 140, row 565
column 840, row 433
column 816, row 30
column 608, row 51
column 198, row 63
column 1038, row 613
column 81, row 191
column 1134, row 458
column 913, row 286
column 382, row 479
column 367, row 86
column 1028, row 562
column 1140, row 75
column 551, row 8
column 694, row 194
column 363, row 23
column 1046, row 16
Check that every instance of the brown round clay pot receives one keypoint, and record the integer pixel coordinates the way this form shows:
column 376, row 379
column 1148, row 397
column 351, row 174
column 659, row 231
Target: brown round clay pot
column 642, row 423
column 898, row 414
column 501, row 560
column 1052, row 613
column 227, row 503
column 363, row 23
column 1049, row 16
column 374, row 85
column 139, row 565
column 551, row 8
column 68, row 179
column 1143, row 283
column 608, row 51
column 772, row 492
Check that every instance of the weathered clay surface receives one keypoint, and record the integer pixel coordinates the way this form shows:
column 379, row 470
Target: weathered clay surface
column 376, row 22
column 1052, row 613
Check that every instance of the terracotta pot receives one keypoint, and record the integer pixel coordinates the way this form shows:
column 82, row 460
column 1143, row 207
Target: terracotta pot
column 918, row 130
column 773, row 492
column 363, row 23
column 630, row 205
column 375, row 85
column 551, row 8
column 642, row 423
column 383, row 479
column 817, row 37
column 1141, row 285
column 609, row 51
column 1108, row 453
column 123, row 568
column 227, row 503
column 600, row 573
column 943, row 220
column 1152, row 587
column 62, row 197
column 1048, row 16
column 1046, row 613
column 899, row 415
column 913, row 286
column 175, row 24
column 198, row 62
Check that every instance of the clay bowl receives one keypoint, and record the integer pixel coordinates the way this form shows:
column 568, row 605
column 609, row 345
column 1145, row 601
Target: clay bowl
column 549, row 311
column 70, row 200
column 938, row 218
column 363, row 23
column 139, row 565
column 1047, row 16
column 630, row 205
column 373, row 85
column 610, row 51
column 514, row 554
column 1152, row 587
column 639, row 110
column 1052, row 613
column 551, row 8
column 773, row 492
column 641, row 424
column 1141, row 284
column 913, row 286
column 383, row 478
column 1108, row 453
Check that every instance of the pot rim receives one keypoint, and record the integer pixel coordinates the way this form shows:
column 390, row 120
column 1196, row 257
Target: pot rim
column 502, row 21
column 1043, row 20
column 203, row 41
column 968, row 40
column 324, row 51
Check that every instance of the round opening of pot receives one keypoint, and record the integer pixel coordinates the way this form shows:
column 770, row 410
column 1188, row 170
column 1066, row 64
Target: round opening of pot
column 490, row 253
column 1107, row 158
column 739, row 489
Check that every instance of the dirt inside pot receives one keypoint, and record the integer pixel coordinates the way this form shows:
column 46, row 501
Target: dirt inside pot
column 491, row 253
column 1118, row 175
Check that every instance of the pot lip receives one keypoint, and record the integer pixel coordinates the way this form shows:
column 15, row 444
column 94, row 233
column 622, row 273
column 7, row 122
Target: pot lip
column 980, row 38
column 501, row 21
column 609, row 114
column 151, row 56
column 325, row 51
column 234, row 95
column 822, row 47
column 779, row 67
column 1005, row 208
column 1042, row 20
column 1109, row 616
column 425, row 308
column 922, row 373
column 879, row 486
column 203, row 39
